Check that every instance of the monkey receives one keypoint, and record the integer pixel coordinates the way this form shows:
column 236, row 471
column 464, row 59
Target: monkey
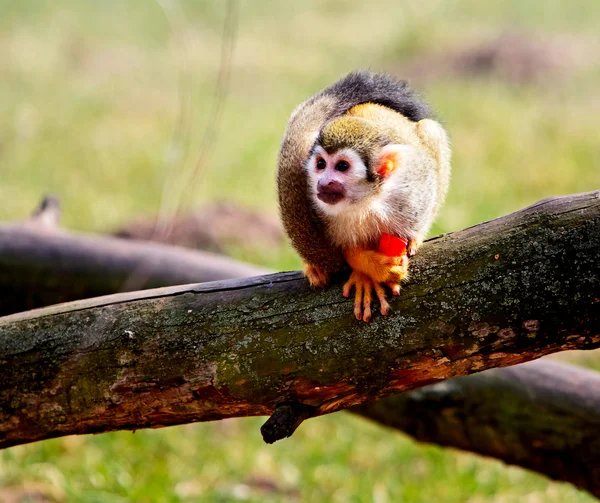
column 361, row 161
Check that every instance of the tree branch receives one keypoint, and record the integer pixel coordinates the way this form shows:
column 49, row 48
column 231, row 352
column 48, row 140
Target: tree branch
column 496, row 294
column 41, row 264
column 542, row 415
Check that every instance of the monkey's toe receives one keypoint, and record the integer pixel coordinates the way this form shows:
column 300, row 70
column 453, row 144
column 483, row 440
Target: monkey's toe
column 363, row 295
column 316, row 277
column 383, row 303
column 362, row 284
column 394, row 287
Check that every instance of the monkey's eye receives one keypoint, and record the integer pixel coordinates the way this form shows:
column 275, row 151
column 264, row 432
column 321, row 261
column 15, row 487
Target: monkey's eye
column 321, row 163
column 342, row 166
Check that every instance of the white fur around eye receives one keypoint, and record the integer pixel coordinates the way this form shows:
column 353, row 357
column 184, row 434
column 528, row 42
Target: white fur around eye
column 358, row 170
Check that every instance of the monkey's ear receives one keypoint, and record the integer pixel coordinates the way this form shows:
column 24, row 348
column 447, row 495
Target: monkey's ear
column 390, row 159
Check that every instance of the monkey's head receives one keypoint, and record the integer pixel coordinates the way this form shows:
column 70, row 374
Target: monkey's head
column 349, row 164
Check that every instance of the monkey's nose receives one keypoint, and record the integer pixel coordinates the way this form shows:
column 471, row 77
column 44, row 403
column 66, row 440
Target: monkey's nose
column 330, row 192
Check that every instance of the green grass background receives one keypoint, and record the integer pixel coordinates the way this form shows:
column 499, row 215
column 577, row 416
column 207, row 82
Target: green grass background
column 105, row 105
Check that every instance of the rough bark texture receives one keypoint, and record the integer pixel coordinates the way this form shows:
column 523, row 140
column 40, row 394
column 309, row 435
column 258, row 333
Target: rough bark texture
column 541, row 415
column 496, row 294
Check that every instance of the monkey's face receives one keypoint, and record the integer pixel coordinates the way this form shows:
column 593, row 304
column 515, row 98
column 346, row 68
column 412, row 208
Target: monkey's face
column 350, row 165
column 338, row 179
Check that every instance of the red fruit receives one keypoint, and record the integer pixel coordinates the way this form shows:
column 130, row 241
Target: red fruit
column 392, row 246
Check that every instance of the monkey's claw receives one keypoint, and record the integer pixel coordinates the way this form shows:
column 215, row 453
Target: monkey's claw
column 364, row 287
column 316, row 277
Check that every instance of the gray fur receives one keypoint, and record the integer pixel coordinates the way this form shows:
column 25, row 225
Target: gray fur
column 363, row 86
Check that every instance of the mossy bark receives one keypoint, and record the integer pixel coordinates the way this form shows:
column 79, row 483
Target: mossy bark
column 497, row 294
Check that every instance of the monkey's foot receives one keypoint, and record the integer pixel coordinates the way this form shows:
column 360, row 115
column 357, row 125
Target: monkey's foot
column 316, row 277
column 364, row 287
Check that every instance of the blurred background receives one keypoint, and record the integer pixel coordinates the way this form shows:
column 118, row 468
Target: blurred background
column 171, row 111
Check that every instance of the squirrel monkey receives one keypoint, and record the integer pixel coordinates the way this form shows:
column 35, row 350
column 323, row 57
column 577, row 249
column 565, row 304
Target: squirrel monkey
column 361, row 165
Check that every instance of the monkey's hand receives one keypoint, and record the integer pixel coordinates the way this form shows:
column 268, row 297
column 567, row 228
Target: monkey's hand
column 370, row 270
column 316, row 277
column 362, row 298
column 379, row 267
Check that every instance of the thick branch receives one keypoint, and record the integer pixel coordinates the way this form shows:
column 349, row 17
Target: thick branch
column 500, row 293
column 42, row 265
column 541, row 415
